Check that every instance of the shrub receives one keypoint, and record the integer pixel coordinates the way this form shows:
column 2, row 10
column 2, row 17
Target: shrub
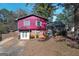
column 72, row 44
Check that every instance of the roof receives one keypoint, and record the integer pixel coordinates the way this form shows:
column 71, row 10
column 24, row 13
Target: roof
column 31, row 15
column 58, row 24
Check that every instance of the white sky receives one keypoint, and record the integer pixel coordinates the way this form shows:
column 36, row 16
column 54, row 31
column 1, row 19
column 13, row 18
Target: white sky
column 54, row 18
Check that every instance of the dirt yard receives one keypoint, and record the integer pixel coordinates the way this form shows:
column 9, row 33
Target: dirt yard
column 11, row 34
column 48, row 48
column 39, row 48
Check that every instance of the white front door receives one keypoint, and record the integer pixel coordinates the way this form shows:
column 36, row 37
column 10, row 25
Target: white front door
column 24, row 35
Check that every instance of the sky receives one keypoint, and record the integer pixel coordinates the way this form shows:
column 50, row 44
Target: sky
column 15, row 6
column 58, row 11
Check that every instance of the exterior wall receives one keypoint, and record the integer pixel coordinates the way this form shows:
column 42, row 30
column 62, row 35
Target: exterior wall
column 33, row 26
column 26, row 35
column 37, row 34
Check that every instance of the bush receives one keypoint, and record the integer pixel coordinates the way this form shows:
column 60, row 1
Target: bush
column 0, row 37
column 59, row 28
column 2, row 28
column 72, row 44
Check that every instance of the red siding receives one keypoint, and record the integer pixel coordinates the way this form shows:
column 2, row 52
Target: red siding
column 32, row 26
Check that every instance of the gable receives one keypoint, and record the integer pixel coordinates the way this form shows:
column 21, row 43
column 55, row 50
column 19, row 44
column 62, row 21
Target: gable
column 31, row 16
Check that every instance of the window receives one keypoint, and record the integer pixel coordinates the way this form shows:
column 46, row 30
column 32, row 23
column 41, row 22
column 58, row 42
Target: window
column 26, row 23
column 38, row 23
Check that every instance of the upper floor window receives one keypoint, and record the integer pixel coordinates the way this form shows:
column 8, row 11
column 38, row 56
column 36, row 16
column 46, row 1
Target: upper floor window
column 26, row 23
column 38, row 23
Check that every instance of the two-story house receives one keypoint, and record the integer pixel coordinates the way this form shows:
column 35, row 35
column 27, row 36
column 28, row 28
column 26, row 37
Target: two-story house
column 31, row 25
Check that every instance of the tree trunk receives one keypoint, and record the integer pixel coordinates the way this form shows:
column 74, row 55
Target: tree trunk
column 0, row 37
column 76, row 23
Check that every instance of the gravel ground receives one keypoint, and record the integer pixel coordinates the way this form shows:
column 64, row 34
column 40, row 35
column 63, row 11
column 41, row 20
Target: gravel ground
column 11, row 48
column 49, row 47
